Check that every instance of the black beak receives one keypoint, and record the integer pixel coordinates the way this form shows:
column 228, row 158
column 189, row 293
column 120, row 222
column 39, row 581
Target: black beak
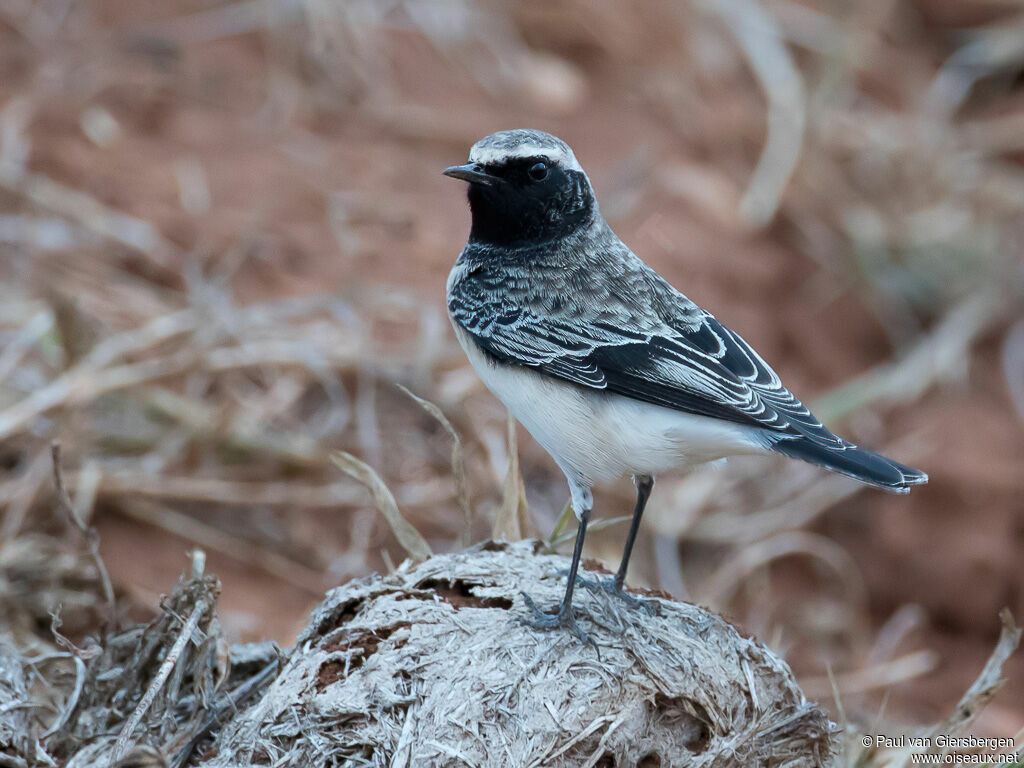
column 472, row 172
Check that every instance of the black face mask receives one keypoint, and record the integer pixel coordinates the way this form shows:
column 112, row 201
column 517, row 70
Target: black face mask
column 531, row 201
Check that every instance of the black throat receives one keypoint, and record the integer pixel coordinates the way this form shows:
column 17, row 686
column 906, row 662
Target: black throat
column 507, row 215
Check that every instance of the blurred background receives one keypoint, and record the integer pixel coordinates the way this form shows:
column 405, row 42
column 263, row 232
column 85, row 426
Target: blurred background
column 224, row 238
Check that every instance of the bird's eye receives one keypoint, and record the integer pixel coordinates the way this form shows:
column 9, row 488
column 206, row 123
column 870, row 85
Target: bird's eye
column 538, row 171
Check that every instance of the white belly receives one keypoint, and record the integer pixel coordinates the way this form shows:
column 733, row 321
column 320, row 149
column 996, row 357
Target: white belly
column 596, row 436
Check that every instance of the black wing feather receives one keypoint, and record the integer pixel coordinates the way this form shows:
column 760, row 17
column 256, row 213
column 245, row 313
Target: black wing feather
column 614, row 324
column 706, row 370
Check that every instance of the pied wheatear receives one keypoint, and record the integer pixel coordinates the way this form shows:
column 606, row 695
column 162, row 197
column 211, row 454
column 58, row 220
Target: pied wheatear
column 610, row 368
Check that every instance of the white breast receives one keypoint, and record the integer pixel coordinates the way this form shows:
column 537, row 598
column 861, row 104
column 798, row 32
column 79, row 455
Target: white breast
column 596, row 436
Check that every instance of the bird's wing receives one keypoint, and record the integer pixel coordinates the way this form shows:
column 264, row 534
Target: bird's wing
column 677, row 356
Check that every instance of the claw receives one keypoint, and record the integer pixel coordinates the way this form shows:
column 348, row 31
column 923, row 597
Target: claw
column 548, row 621
column 651, row 607
column 608, row 586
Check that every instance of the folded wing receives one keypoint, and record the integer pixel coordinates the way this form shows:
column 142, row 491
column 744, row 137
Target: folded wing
column 681, row 358
column 700, row 367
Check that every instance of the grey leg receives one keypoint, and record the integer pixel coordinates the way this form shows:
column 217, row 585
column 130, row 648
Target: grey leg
column 615, row 586
column 564, row 617
column 644, row 486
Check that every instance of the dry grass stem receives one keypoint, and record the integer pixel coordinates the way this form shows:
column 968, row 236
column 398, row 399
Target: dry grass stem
column 557, row 533
column 806, row 503
column 757, row 34
column 874, row 677
column 407, row 535
column 458, row 467
column 988, row 682
column 596, row 525
column 940, row 355
column 90, row 213
column 251, row 493
column 513, row 521
column 90, row 535
column 734, row 572
column 162, row 674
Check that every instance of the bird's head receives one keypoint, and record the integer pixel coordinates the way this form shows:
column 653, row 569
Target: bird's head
column 525, row 186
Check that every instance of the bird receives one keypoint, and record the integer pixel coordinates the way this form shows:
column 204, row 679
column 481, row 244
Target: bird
column 610, row 368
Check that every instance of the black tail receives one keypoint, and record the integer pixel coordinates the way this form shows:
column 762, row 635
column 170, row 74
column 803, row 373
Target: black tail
column 866, row 466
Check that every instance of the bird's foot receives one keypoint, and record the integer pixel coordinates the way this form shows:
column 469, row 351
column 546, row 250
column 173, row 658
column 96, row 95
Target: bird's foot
column 650, row 607
column 561, row 620
column 611, row 587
